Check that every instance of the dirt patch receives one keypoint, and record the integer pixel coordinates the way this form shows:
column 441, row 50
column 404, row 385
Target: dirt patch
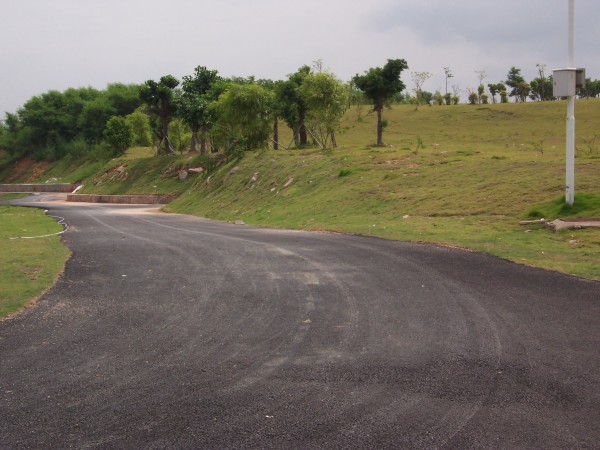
column 27, row 170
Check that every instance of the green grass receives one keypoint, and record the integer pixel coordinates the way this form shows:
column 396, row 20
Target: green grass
column 137, row 173
column 27, row 266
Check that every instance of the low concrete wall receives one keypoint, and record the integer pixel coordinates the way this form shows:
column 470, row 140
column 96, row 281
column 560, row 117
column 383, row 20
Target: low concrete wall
column 122, row 199
column 37, row 187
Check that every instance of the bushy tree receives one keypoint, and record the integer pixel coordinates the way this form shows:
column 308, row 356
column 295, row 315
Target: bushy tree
column 380, row 84
column 194, row 104
column 118, row 134
column 591, row 89
column 140, row 127
column 520, row 88
column 293, row 108
column 243, row 123
column 326, row 100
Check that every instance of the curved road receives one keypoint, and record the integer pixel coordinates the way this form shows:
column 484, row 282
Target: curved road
column 173, row 331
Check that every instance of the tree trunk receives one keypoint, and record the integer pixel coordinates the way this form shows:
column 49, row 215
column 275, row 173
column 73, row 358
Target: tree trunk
column 164, row 119
column 333, row 142
column 379, row 127
column 202, row 140
column 275, row 133
column 303, row 135
column 194, row 141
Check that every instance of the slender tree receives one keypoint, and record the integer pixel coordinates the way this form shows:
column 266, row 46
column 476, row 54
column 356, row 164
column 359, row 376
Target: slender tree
column 419, row 79
column 159, row 98
column 380, row 84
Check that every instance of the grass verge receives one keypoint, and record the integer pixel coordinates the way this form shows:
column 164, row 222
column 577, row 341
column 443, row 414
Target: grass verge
column 27, row 266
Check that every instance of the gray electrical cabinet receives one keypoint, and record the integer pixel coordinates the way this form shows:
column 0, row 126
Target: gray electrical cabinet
column 566, row 81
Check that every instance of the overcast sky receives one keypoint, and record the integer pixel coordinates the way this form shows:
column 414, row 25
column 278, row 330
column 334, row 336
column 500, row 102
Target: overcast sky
column 56, row 44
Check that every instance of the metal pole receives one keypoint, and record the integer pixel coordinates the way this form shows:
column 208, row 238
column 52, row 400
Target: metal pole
column 570, row 169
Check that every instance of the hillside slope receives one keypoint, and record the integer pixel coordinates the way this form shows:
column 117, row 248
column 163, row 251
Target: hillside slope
column 457, row 176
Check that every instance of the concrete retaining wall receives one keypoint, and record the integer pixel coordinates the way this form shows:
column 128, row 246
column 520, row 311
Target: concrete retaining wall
column 122, row 199
column 37, row 187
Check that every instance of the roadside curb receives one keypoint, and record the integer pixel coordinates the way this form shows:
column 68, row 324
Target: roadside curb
column 29, row 187
column 122, row 199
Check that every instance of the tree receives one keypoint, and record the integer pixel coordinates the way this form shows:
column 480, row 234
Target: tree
column 194, row 104
column 293, row 109
column 326, row 99
column 277, row 107
column 124, row 98
column 480, row 93
column 380, row 84
column 520, row 88
column 419, row 78
column 243, row 122
column 495, row 89
column 159, row 98
column 93, row 118
column 140, row 127
column 591, row 89
column 541, row 87
column 118, row 134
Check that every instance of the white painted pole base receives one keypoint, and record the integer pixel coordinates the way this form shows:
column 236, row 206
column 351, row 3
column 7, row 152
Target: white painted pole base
column 570, row 174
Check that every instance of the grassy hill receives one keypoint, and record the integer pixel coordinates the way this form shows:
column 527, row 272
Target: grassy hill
column 455, row 175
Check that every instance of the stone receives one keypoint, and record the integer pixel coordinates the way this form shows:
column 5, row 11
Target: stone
column 183, row 174
column 289, row 182
column 196, row 170
column 254, row 178
column 235, row 170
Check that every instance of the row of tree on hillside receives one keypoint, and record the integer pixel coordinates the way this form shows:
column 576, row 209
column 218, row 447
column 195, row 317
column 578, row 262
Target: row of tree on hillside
column 233, row 114
column 206, row 112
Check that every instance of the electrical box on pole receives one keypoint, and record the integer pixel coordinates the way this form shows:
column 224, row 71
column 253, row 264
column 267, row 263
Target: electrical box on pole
column 565, row 82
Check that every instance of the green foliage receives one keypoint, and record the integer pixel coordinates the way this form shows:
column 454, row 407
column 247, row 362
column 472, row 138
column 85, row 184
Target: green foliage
column 46, row 126
column 243, row 122
column 520, row 88
column 380, row 84
column 194, row 103
column 591, row 89
column 344, row 173
column 118, row 134
column 158, row 96
column 326, row 100
column 290, row 104
column 140, row 127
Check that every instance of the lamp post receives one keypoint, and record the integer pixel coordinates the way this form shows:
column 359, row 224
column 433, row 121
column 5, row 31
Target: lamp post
column 570, row 155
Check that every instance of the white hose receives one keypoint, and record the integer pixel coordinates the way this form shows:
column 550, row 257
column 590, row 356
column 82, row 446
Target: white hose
column 61, row 221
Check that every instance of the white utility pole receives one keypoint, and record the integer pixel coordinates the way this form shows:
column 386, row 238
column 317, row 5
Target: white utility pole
column 570, row 175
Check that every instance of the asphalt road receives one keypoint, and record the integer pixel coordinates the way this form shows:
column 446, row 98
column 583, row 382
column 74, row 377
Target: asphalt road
column 168, row 331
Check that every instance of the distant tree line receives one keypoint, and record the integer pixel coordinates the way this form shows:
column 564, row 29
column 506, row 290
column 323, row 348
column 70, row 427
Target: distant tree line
column 206, row 112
